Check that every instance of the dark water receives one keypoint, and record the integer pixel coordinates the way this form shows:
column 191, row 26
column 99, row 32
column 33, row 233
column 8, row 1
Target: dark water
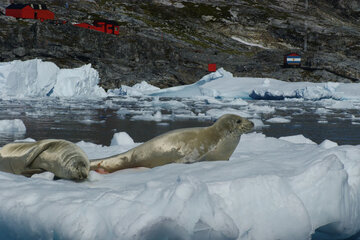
column 338, row 127
column 97, row 121
column 75, row 121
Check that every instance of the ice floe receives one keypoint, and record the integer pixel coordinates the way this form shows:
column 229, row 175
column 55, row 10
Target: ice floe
column 270, row 189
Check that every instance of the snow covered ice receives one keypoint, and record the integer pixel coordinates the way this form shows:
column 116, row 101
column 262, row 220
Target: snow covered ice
column 272, row 188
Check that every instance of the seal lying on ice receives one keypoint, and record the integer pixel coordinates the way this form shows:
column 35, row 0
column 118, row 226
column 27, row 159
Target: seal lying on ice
column 187, row 145
column 67, row 160
column 64, row 159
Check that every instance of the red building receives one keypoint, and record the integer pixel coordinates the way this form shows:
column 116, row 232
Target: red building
column 212, row 67
column 104, row 26
column 31, row 11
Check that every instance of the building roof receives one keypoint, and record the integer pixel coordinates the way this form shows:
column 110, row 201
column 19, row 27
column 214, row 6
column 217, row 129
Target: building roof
column 38, row 6
column 106, row 21
column 292, row 54
column 21, row 6
column 16, row 6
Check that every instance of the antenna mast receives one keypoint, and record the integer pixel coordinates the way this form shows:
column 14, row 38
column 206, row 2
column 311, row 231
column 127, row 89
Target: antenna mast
column 306, row 26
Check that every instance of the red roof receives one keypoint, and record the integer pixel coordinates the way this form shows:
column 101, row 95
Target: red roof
column 292, row 55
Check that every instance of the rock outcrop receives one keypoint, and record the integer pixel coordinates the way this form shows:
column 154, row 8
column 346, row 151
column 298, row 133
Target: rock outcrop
column 170, row 42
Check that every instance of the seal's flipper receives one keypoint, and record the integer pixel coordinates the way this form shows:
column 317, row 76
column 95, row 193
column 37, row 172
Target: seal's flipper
column 30, row 172
column 36, row 150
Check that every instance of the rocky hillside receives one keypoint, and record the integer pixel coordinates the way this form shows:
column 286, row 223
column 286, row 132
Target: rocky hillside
column 170, row 42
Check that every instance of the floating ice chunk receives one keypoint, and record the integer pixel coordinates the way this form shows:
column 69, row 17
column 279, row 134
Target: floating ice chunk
column 89, row 121
column 138, row 89
column 327, row 144
column 343, row 105
column 121, row 138
column 314, row 93
column 258, row 124
column 297, row 139
column 157, row 117
column 322, row 111
column 278, row 120
column 124, row 112
column 10, row 126
column 353, row 117
column 211, row 100
column 261, row 109
column 26, row 140
column 323, row 121
column 171, row 104
column 216, row 113
column 124, row 90
column 237, row 101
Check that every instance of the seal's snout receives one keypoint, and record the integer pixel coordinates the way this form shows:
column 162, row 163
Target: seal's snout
column 248, row 125
column 251, row 124
column 83, row 173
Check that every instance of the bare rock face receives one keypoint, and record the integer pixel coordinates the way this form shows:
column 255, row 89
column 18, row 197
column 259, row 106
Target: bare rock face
column 349, row 5
column 168, row 43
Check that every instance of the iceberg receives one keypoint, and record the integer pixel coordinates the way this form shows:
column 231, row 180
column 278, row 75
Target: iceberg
column 26, row 79
column 79, row 82
column 35, row 78
column 223, row 85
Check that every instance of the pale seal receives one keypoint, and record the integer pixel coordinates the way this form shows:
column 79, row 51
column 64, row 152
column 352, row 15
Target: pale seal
column 187, row 145
column 64, row 159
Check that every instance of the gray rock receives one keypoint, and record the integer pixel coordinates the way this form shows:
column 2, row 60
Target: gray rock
column 168, row 45
column 19, row 52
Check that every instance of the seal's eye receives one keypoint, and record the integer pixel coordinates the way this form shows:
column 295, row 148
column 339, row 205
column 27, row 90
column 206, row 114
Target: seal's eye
column 238, row 121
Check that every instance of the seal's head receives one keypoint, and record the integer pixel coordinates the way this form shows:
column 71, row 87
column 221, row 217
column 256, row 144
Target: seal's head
column 78, row 167
column 234, row 124
column 72, row 162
